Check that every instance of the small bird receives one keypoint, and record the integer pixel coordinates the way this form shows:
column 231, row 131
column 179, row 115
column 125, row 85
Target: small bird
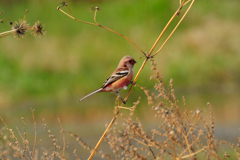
column 119, row 79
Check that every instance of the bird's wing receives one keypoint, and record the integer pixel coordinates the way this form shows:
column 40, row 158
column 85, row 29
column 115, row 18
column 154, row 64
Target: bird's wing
column 116, row 76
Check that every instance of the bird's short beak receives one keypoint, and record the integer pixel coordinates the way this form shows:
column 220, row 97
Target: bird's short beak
column 135, row 61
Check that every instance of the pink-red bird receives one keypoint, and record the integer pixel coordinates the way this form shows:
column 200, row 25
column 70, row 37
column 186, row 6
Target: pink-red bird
column 119, row 79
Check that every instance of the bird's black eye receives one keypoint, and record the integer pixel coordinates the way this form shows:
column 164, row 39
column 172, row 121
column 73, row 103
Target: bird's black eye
column 130, row 61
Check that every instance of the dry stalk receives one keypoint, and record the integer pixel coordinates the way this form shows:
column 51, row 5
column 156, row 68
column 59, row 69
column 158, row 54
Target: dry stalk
column 35, row 133
column 148, row 56
column 63, row 132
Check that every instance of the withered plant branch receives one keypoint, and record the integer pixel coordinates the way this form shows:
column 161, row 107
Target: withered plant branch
column 190, row 145
column 146, row 55
column 21, row 28
column 25, row 142
column 35, row 133
column 183, row 157
column 12, row 136
column 75, row 18
column 143, row 143
column 186, row 136
column 63, row 132
column 174, row 152
column 143, row 136
column 137, row 75
column 176, row 25
column 97, row 24
column 195, row 120
column 23, row 19
column 1, row 20
column 6, row 33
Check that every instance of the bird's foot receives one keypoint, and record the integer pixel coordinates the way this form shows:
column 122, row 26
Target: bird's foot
column 124, row 102
column 133, row 83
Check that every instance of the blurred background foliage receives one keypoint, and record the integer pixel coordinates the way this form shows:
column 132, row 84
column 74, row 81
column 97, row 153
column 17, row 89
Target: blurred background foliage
column 51, row 73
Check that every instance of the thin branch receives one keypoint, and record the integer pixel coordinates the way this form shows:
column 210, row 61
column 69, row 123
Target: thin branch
column 104, row 134
column 135, row 79
column 6, row 33
column 97, row 24
column 175, row 27
column 143, row 64
column 35, row 133
column 192, row 154
column 75, row 18
column 63, row 132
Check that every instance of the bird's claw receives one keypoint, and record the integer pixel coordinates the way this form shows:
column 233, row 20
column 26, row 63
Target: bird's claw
column 124, row 102
column 133, row 83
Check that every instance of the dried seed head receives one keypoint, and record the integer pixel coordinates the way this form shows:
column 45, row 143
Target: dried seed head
column 97, row 8
column 63, row 3
column 37, row 29
column 226, row 155
column 20, row 28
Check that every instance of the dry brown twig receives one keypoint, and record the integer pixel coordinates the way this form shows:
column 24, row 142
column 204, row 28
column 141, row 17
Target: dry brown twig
column 63, row 133
column 148, row 56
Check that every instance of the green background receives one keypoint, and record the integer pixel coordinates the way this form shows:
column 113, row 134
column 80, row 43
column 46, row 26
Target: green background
column 51, row 73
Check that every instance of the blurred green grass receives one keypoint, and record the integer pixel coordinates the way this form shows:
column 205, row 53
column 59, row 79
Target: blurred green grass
column 51, row 73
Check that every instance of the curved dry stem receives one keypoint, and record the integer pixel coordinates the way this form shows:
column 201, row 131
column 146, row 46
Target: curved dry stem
column 144, row 62
column 75, row 18
column 140, row 70
column 97, row 24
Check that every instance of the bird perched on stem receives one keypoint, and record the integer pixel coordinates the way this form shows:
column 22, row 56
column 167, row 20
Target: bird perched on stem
column 119, row 79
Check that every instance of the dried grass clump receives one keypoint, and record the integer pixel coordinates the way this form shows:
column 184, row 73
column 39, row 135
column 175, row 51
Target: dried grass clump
column 175, row 134
column 19, row 145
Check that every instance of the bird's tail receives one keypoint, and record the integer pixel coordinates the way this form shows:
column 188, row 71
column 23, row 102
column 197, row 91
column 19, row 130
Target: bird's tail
column 98, row 90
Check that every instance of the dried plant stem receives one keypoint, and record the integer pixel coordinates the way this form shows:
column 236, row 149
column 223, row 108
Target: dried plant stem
column 64, row 141
column 104, row 134
column 144, row 62
column 161, row 34
column 174, row 152
column 135, row 79
column 191, row 154
column 97, row 24
column 115, row 115
column 176, row 25
column 188, row 147
column 6, row 33
column 186, row 136
column 35, row 133
column 192, row 126
column 75, row 18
